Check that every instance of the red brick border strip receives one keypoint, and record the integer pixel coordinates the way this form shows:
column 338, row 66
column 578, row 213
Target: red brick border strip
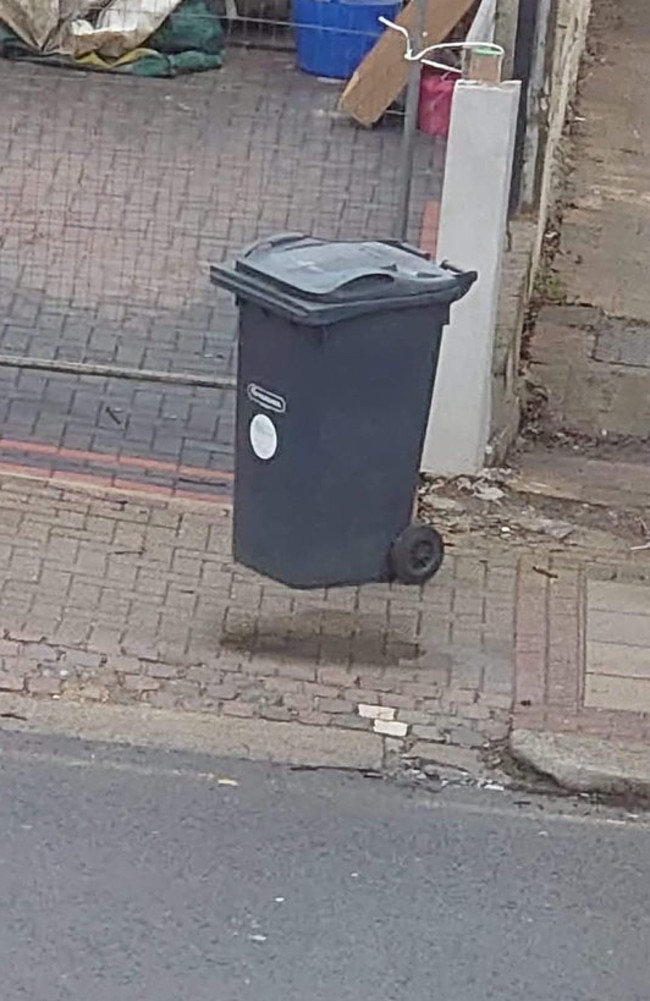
column 45, row 468
column 103, row 484
column 111, row 459
column 550, row 631
column 531, row 639
column 549, row 643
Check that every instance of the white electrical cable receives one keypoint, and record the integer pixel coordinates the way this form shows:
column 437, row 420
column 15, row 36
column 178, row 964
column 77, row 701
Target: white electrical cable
column 413, row 57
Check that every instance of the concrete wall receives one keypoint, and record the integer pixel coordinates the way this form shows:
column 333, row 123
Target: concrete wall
column 462, row 450
column 569, row 47
column 555, row 95
column 513, row 302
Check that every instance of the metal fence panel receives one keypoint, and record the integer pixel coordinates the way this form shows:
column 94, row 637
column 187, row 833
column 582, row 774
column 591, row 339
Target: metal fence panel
column 117, row 191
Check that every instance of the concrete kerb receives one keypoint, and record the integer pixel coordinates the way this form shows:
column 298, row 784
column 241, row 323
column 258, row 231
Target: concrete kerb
column 142, row 726
column 585, row 764
column 226, row 737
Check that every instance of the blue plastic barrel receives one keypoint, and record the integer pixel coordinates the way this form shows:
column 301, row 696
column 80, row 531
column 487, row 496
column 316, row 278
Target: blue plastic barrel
column 333, row 36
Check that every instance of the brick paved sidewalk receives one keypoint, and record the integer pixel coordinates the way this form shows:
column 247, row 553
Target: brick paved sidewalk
column 583, row 648
column 582, row 693
column 116, row 193
column 112, row 599
column 583, row 627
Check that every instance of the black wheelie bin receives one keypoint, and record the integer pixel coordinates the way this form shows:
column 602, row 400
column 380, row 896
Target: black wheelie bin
column 338, row 349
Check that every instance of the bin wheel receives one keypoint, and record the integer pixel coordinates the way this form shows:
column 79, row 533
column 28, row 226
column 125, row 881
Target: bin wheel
column 417, row 554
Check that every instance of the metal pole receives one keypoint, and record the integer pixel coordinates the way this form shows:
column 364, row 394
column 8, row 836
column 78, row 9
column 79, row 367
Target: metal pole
column 507, row 14
column 410, row 126
column 522, row 69
column 538, row 104
column 58, row 367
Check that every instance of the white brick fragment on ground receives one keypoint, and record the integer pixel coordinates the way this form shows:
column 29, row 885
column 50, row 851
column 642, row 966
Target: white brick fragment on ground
column 390, row 728
column 385, row 713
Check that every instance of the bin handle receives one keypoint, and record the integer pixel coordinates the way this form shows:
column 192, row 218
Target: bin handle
column 402, row 245
column 448, row 266
column 467, row 278
column 273, row 241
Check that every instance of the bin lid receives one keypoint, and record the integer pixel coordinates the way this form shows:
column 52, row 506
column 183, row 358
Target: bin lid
column 322, row 281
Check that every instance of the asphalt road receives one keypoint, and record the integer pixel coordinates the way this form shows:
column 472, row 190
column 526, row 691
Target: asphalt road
column 136, row 876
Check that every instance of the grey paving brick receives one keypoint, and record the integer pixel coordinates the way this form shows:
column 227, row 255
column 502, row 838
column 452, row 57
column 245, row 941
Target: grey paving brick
column 120, row 275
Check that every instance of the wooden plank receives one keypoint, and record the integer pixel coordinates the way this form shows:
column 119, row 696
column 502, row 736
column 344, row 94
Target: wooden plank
column 383, row 74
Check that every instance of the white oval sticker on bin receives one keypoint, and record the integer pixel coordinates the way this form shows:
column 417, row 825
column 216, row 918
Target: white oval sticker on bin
column 263, row 437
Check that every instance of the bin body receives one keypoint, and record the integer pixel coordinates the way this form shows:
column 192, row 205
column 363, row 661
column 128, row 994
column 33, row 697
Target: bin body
column 333, row 36
column 331, row 416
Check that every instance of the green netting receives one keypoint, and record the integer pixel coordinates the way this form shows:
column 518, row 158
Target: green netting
column 190, row 40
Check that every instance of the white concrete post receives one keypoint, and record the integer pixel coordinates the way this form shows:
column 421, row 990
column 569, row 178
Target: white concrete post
column 472, row 236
